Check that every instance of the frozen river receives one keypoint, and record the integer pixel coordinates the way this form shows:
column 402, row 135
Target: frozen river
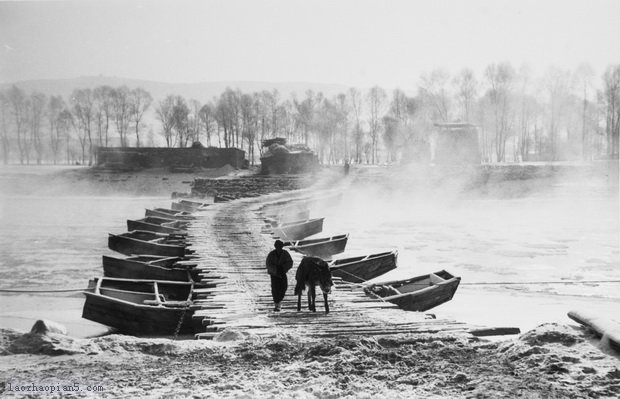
column 522, row 260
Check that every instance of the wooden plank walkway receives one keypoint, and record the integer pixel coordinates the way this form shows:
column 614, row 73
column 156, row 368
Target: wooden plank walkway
column 231, row 252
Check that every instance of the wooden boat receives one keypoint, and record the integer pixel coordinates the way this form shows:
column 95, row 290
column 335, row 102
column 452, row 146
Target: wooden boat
column 149, row 267
column 604, row 325
column 140, row 307
column 298, row 230
column 158, row 225
column 169, row 214
column 140, row 242
column 188, row 206
column 321, row 247
column 418, row 293
column 360, row 269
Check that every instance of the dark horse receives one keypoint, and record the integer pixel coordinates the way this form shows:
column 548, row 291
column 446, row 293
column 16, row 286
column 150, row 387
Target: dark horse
column 313, row 271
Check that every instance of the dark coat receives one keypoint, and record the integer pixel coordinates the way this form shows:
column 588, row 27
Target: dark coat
column 278, row 266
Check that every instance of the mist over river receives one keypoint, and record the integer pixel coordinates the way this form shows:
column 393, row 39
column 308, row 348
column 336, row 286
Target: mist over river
column 566, row 233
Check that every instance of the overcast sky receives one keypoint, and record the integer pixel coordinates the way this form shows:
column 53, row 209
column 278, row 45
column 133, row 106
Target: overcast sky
column 351, row 42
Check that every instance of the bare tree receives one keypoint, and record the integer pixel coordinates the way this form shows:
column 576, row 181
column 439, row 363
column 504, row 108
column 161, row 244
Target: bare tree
column 326, row 122
column 434, row 92
column 500, row 79
column 103, row 97
column 37, row 111
column 139, row 102
column 228, row 116
column 288, row 117
column 392, row 128
column 355, row 99
column 19, row 108
column 344, row 111
column 265, row 108
column 397, row 123
column 305, row 113
column 585, row 73
column 55, row 106
column 466, row 87
column 121, row 110
column 376, row 105
column 556, row 85
column 164, row 114
column 83, row 108
column 207, row 117
column 611, row 93
column 4, row 127
column 194, row 120
column 180, row 121
column 65, row 125
column 524, row 119
column 248, row 109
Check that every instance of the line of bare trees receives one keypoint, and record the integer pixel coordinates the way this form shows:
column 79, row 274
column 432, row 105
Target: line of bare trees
column 43, row 128
column 561, row 115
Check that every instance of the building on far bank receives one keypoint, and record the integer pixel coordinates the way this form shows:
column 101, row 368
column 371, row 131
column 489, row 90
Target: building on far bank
column 455, row 143
column 280, row 158
column 176, row 159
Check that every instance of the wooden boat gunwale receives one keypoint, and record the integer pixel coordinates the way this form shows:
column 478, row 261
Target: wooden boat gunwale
column 157, row 241
column 170, row 227
column 299, row 222
column 140, row 266
column 333, row 264
column 361, row 269
column 171, row 214
column 318, row 241
column 138, row 242
column 300, row 230
column 157, row 297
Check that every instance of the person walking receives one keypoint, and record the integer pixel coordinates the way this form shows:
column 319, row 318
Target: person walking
column 278, row 263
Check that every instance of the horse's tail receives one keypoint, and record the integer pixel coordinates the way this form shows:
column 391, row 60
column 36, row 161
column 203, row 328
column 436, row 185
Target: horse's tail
column 299, row 287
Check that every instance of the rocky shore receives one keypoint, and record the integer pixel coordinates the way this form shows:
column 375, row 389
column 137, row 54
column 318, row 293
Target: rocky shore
column 551, row 361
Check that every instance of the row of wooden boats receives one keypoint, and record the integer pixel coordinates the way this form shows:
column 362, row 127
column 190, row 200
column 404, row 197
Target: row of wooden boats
column 151, row 290
column 419, row 293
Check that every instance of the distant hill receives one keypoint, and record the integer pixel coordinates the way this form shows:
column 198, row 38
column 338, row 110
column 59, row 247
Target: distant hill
column 201, row 91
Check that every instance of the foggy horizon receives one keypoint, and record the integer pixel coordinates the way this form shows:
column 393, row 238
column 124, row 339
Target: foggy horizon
column 356, row 44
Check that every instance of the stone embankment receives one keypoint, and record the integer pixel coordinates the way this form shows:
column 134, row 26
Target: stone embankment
column 248, row 186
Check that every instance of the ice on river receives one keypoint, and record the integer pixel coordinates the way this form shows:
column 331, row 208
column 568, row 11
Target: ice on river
column 539, row 240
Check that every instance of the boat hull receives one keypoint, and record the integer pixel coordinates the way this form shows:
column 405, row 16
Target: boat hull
column 419, row 293
column 299, row 231
column 141, row 307
column 131, row 246
column 420, row 302
column 157, row 228
column 322, row 249
column 168, row 215
column 158, row 270
column 356, row 270
column 135, row 319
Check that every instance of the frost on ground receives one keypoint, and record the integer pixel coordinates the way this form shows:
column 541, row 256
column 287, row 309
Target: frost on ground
column 551, row 361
